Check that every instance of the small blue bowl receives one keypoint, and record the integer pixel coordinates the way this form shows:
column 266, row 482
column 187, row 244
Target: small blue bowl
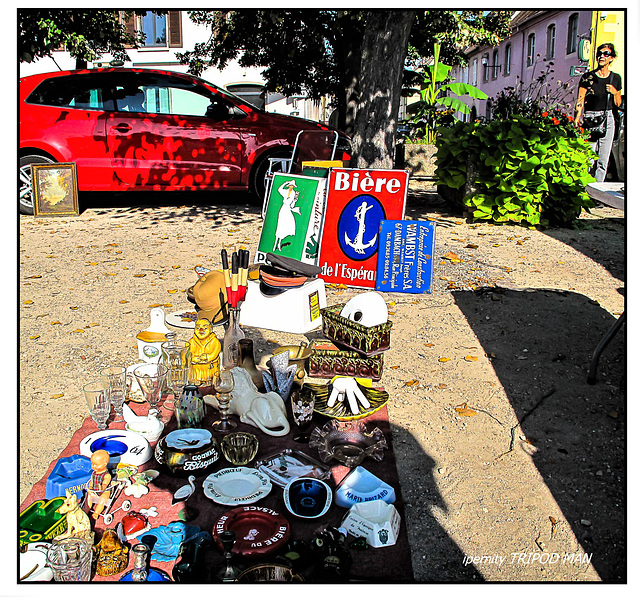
column 306, row 497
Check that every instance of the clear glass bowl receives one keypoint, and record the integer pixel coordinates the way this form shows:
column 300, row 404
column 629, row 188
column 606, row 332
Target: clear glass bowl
column 348, row 442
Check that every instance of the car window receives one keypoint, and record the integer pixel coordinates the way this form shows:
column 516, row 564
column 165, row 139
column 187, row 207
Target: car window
column 80, row 92
column 159, row 94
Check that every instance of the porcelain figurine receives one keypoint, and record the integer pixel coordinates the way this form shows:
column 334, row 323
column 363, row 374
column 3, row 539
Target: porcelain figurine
column 267, row 412
column 205, row 352
column 111, row 555
column 78, row 523
column 98, row 488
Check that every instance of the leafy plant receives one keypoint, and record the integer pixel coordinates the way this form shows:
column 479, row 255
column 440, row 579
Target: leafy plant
column 432, row 96
column 529, row 171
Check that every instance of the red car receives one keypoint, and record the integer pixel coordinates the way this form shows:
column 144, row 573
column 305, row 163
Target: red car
column 142, row 129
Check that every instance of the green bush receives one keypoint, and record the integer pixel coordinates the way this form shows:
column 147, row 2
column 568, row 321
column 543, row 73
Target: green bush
column 520, row 170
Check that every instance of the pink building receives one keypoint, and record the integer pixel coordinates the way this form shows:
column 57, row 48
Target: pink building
column 538, row 38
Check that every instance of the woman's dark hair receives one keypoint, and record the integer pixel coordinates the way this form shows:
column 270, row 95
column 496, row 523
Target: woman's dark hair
column 610, row 47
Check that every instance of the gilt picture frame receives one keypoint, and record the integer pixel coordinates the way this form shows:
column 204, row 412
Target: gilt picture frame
column 55, row 189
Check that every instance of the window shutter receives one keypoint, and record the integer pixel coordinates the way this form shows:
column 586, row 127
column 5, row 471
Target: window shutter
column 130, row 26
column 175, row 28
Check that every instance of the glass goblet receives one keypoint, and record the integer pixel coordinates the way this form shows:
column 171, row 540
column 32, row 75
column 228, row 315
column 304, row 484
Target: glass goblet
column 96, row 393
column 302, row 403
column 223, row 383
column 151, row 378
column 117, row 377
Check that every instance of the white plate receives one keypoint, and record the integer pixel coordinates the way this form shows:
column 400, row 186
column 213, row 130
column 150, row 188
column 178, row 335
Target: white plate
column 185, row 319
column 236, row 486
column 36, row 554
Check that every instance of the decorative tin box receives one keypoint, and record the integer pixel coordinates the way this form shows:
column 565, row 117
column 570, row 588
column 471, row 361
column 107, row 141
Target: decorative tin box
column 365, row 340
column 327, row 361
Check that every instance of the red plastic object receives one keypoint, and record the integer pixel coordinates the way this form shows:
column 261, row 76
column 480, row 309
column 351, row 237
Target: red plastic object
column 258, row 530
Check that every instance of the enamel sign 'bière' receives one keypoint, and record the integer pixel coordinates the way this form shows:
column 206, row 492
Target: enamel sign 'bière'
column 357, row 201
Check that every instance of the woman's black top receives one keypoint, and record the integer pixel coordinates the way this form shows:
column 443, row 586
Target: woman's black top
column 596, row 96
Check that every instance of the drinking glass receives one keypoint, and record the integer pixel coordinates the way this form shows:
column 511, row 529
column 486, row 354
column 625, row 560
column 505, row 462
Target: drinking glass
column 151, row 378
column 96, row 393
column 176, row 356
column 117, row 377
column 224, row 384
column 70, row 560
column 302, row 404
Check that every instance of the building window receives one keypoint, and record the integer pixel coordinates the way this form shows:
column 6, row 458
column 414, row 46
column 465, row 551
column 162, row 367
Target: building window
column 155, row 28
column 494, row 66
column 531, row 49
column 474, row 73
column 507, row 60
column 551, row 42
column 465, row 78
column 485, row 68
column 572, row 33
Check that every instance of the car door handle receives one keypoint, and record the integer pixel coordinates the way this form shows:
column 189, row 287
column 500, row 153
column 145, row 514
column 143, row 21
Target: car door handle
column 122, row 128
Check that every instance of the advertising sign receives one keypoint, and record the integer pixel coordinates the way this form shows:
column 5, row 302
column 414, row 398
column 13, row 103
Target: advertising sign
column 293, row 218
column 405, row 257
column 357, row 201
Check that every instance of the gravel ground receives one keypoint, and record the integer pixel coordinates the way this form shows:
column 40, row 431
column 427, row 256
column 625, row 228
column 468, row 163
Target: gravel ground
column 512, row 466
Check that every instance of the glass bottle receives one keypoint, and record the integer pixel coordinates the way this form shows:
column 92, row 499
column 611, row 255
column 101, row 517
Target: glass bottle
column 140, row 557
column 232, row 335
column 189, row 407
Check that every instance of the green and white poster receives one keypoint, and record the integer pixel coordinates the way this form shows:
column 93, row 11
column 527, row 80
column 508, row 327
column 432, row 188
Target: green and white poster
column 293, row 218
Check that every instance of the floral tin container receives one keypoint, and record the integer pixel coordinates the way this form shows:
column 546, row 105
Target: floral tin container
column 352, row 335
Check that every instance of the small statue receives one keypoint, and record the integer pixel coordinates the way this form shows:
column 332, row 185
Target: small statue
column 112, row 556
column 98, row 488
column 78, row 523
column 205, row 350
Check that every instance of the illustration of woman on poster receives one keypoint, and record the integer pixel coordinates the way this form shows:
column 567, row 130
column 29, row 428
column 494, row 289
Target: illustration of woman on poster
column 286, row 220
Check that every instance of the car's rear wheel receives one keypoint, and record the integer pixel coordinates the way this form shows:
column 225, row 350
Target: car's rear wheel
column 25, row 199
column 259, row 178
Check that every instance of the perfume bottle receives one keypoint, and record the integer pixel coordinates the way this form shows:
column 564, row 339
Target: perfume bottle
column 232, row 335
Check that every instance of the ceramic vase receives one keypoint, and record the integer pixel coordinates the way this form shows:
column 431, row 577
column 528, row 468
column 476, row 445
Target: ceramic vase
column 189, row 408
column 246, row 360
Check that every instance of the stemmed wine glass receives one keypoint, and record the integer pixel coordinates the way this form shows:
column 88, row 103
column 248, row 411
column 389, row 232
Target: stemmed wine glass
column 151, row 379
column 96, row 393
column 302, row 403
column 117, row 378
column 224, row 384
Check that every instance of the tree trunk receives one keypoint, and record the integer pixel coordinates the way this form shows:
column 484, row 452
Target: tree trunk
column 373, row 97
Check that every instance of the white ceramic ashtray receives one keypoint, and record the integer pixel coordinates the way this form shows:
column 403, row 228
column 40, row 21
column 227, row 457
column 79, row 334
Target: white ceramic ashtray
column 236, row 486
column 377, row 521
column 362, row 486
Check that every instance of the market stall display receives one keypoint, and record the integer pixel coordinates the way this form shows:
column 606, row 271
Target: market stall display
column 288, row 516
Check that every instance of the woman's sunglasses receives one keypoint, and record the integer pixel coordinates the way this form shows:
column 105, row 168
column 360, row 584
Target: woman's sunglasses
column 603, row 54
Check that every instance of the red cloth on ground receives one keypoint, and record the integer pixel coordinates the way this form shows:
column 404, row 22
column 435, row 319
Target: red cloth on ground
column 386, row 564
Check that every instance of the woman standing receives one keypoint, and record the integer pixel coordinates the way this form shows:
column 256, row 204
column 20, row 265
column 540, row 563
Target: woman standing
column 599, row 95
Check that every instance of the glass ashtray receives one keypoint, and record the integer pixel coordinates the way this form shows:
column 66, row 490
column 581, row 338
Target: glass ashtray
column 348, row 442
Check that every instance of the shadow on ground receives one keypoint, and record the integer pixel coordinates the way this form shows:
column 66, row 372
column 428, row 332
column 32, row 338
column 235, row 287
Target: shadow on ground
column 231, row 208
column 540, row 343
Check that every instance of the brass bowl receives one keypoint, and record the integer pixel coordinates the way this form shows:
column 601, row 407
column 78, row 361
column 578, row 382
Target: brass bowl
column 269, row 573
column 297, row 356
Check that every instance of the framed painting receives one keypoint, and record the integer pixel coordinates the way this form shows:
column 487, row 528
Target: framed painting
column 55, row 190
